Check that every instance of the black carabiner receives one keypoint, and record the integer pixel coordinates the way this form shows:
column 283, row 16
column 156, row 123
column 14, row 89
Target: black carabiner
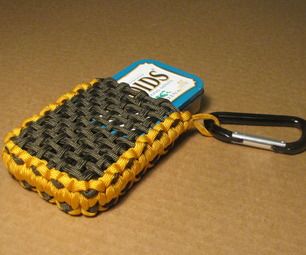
column 228, row 136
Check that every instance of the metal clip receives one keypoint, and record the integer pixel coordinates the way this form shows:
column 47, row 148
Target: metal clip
column 228, row 136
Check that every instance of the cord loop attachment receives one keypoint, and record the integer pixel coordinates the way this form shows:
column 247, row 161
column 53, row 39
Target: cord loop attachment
column 199, row 124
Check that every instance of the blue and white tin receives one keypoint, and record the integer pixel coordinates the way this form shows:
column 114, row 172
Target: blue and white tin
column 160, row 80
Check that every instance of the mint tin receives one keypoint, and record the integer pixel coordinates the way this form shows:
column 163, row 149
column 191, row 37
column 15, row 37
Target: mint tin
column 160, row 80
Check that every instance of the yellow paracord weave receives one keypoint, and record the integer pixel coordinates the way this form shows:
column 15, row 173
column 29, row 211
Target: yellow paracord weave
column 146, row 148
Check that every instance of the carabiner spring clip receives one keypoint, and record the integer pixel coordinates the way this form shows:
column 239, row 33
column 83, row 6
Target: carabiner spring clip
column 228, row 136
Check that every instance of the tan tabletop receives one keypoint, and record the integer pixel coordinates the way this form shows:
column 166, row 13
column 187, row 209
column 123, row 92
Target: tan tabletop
column 204, row 197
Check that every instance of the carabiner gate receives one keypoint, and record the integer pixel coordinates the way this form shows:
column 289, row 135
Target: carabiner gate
column 228, row 136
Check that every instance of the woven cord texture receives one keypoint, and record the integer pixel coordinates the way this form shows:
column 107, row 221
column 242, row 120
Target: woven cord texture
column 88, row 133
column 87, row 149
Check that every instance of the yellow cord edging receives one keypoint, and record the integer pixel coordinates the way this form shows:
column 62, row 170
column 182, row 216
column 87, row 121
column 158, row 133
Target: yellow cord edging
column 146, row 148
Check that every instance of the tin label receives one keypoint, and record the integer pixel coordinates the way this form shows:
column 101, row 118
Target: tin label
column 158, row 82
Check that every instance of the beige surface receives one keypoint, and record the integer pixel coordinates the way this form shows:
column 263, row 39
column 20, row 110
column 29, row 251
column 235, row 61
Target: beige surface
column 205, row 197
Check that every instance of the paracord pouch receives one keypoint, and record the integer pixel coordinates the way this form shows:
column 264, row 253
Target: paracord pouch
column 87, row 149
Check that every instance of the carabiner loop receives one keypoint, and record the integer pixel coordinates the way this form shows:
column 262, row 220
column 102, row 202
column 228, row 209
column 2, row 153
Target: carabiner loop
column 228, row 136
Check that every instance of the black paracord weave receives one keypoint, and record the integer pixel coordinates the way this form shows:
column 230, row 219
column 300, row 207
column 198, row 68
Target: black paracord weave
column 88, row 133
